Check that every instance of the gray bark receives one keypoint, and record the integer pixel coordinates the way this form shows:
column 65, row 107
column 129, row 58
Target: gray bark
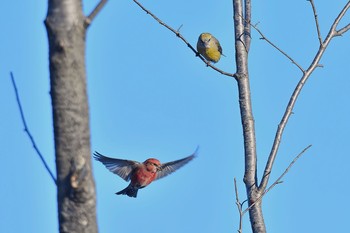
column 66, row 29
column 255, row 191
column 242, row 44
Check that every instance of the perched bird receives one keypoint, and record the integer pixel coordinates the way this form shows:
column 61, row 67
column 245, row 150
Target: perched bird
column 140, row 174
column 209, row 47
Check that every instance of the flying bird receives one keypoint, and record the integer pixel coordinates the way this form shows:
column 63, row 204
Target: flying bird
column 140, row 174
column 209, row 47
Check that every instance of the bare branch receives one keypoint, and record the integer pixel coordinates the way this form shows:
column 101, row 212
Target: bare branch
column 263, row 37
column 92, row 15
column 316, row 21
column 177, row 33
column 337, row 20
column 314, row 64
column 26, row 129
column 239, row 206
column 278, row 181
column 341, row 31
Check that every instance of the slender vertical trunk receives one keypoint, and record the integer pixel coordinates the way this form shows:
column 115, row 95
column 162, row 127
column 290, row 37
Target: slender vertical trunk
column 242, row 18
column 75, row 184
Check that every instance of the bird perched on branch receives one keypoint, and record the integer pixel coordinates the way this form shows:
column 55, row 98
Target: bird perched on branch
column 140, row 174
column 209, row 47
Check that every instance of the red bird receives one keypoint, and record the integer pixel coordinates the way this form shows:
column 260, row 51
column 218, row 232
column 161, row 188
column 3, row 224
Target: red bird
column 140, row 174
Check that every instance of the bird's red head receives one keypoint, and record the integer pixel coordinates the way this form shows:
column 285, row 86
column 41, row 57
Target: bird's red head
column 152, row 164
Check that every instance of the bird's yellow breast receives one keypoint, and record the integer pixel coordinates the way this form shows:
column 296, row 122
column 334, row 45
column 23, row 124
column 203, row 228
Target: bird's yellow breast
column 212, row 54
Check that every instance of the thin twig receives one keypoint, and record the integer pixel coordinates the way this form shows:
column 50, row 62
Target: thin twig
column 239, row 206
column 316, row 21
column 263, row 37
column 177, row 33
column 289, row 109
column 26, row 129
column 278, row 181
column 94, row 12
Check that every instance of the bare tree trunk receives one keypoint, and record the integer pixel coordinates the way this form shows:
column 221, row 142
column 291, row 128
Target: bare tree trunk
column 66, row 28
column 256, row 191
column 242, row 44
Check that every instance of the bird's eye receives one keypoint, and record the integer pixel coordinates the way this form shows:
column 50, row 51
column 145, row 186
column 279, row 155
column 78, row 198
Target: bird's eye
column 209, row 39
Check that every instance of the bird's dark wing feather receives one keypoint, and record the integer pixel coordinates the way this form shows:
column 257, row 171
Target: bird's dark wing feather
column 170, row 167
column 219, row 47
column 121, row 167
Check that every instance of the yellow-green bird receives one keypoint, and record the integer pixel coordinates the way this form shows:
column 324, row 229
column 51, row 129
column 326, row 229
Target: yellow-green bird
column 209, row 47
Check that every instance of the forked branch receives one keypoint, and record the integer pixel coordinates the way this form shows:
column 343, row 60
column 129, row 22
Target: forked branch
column 278, row 181
column 333, row 32
column 341, row 31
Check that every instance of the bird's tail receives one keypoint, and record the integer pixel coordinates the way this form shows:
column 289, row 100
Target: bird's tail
column 131, row 191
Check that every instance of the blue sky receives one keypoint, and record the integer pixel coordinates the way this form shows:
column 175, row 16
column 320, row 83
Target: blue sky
column 151, row 97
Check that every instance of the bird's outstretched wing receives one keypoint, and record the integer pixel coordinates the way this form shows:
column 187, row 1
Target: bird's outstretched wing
column 170, row 167
column 121, row 167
